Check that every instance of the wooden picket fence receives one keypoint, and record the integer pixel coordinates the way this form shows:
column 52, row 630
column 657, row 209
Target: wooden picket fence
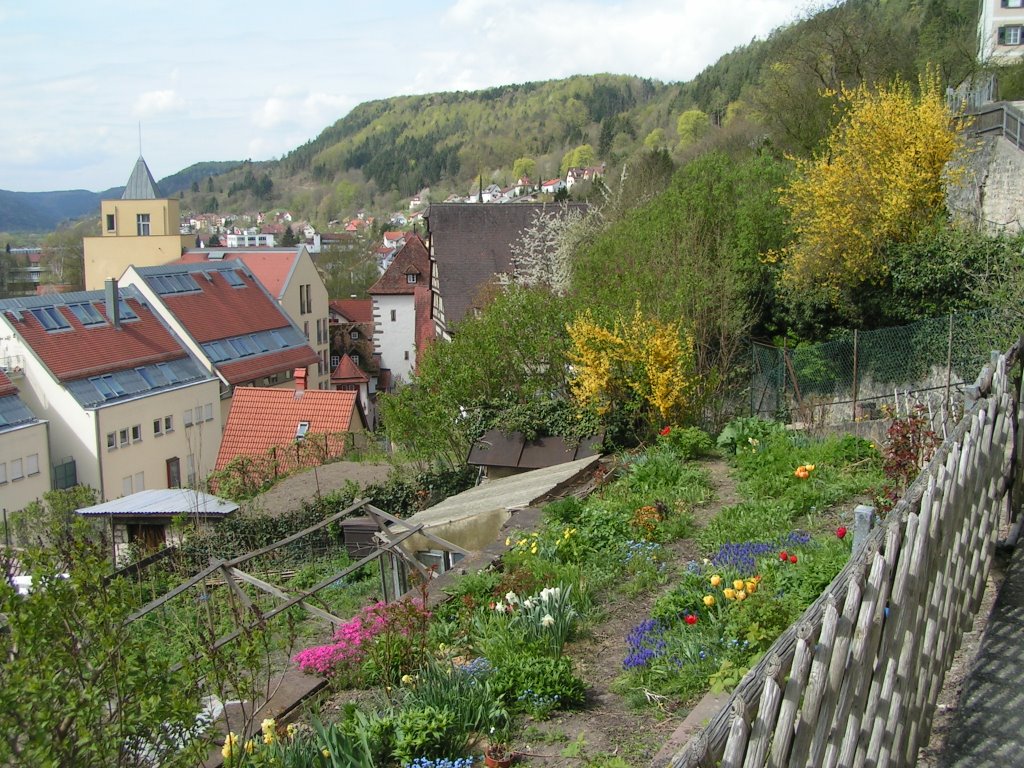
column 855, row 681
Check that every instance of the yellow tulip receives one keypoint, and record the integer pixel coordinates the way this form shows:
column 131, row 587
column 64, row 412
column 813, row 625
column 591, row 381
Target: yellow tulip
column 709, row 600
column 716, row 580
column 751, row 587
column 809, row 467
column 738, row 584
column 741, row 595
column 730, row 593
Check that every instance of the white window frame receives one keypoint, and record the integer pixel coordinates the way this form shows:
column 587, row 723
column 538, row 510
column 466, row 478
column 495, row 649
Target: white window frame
column 111, row 441
column 32, row 464
column 142, row 224
column 122, row 437
column 17, row 470
column 136, row 433
column 186, row 417
column 158, row 427
column 208, row 412
column 410, row 278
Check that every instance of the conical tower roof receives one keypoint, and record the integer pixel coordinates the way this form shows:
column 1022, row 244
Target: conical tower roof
column 141, row 185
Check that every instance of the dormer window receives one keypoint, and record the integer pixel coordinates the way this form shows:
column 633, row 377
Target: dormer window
column 411, row 278
column 354, row 335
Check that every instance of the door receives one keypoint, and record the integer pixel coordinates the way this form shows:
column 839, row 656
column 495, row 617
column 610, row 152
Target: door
column 174, row 473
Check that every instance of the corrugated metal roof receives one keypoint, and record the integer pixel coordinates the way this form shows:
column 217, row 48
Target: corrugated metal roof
column 166, row 502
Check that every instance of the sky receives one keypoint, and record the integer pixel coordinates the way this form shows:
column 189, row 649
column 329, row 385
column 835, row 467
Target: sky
column 205, row 80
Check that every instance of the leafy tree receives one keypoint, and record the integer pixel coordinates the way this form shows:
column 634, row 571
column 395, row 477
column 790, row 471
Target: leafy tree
column 51, row 521
column 524, row 166
column 511, row 354
column 78, row 686
column 692, row 126
column 63, row 256
column 580, row 157
column 879, row 178
column 542, row 255
column 656, row 140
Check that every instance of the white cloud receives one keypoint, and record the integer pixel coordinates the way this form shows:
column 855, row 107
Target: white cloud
column 159, row 102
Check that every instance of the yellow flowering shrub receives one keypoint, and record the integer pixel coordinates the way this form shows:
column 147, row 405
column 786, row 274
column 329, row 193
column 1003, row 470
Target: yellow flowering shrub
column 639, row 360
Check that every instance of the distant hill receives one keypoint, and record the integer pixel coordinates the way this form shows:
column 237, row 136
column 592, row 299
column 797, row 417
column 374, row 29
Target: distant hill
column 45, row 211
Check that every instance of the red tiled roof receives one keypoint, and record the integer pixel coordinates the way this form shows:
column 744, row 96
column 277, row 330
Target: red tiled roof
column 263, row 418
column 251, row 368
column 347, row 372
column 6, row 386
column 220, row 311
column 354, row 310
column 80, row 351
column 394, row 235
column 271, row 267
column 412, row 255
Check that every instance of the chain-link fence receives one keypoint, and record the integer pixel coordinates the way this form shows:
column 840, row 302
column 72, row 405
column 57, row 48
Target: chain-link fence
column 850, row 378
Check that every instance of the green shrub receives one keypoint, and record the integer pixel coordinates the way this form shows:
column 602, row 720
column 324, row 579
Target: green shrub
column 427, row 731
column 747, row 521
column 745, row 433
column 533, row 683
column 687, row 443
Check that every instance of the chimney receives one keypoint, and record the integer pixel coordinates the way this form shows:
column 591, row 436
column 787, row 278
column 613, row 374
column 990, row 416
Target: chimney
column 300, row 379
column 112, row 301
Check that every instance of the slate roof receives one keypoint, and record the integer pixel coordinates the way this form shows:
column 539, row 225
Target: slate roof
column 243, row 331
column 472, row 243
column 413, row 258
column 262, row 418
column 141, row 185
column 347, row 372
column 166, row 502
column 141, row 355
column 271, row 266
column 354, row 310
column 13, row 412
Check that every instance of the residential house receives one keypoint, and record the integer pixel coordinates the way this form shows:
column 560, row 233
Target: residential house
column 401, row 310
column 394, row 239
column 290, row 428
column 24, row 450
column 523, row 186
column 250, row 239
column 1001, row 31
column 140, row 228
column 144, row 521
column 129, row 407
column 228, row 321
column 291, row 277
column 470, row 247
column 348, row 377
column 551, row 186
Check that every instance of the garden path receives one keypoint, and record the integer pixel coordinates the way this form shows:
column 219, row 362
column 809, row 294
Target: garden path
column 608, row 725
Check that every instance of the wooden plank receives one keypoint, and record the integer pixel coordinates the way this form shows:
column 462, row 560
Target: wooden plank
column 739, row 733
column 279, row 593
column 767, row 711
column 816, row 684
column 795, row 686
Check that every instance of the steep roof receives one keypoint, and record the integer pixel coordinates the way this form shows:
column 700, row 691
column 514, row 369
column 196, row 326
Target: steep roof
column 242, row 330
column 141, row 185
column 271, row 266
column 262, row 418
column 471, row 243
column 73, row 337
column 354, row 310
column 412, row 258
column 347, row 372
column 13, row 412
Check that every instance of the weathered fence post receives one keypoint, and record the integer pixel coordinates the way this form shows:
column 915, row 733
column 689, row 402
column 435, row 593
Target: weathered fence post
column 863, row 519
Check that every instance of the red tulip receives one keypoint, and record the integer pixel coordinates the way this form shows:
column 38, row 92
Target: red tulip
column 783, row 556
column 792, row 558
column 664, row 431
column 841, row 531
column 691, row 619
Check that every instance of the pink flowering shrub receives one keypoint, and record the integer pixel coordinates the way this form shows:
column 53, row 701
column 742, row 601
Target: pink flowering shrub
column 350, row 643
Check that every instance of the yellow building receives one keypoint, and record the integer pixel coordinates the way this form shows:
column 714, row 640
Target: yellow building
column 141, row 229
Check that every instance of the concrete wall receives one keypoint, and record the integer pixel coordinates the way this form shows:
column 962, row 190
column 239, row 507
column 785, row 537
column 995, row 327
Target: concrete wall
column 19, row 444
column 991, row 194
column 395, row 340
column 305, row 273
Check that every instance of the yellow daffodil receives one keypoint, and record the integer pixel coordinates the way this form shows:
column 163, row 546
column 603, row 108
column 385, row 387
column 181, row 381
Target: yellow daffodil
column 408, row 679
column 508, row 541
column 250, row 747
column 716, row 580
column 325, row 752
column 709, row 600
column 230, row 747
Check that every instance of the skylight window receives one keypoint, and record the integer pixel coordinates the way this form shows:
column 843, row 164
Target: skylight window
column 107, row 386
column 233, row 278
column 301, row 430
column 217, row 352
column 127, row 313
column 242, row 347
column 168, row 372
column 87, row 314
column 50, row 318
column 166, row 284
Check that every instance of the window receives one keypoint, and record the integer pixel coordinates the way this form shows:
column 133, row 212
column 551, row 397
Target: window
column 393, row 315
column 142, row 224
column 188, row 417
column 111, row 441
column 208, row 412
column 16, row 471
column 305, row 329
column 168, row 423
column 410, row 278
column 355, row 358
column 137, row 433
column 107, row 386
column 234, row 279
column 1012, row 3
column 158, row 427
column 50, row 318
column 319, row 333
column 122, row 438
column 302, row 301
column 139, row 481
column 32, row 464
column 126, row 486
column 168, row 372
column 407, row 354
column 354, row 334
column 87, row 314
column 1010, row 35
column 301, row 430
column 110, row 222
column 309, row 299
column 3, row 473
column 335, row 359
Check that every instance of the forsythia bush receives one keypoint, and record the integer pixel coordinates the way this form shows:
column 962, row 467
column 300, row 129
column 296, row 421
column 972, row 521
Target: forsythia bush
column 639, row 361
column 880, row 177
